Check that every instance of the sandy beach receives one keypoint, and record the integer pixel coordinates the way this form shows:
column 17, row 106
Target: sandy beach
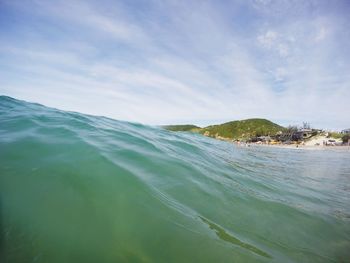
column 301, row 147
column 320, row 142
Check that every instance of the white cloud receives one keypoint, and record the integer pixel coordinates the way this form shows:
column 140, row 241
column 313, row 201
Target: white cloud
column 268, row 39
column 275, row 42
column 280, row 74
column 321, row 34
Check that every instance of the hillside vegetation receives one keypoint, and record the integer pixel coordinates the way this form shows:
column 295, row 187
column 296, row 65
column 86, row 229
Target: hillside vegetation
column 186, row 127
column 235, row 129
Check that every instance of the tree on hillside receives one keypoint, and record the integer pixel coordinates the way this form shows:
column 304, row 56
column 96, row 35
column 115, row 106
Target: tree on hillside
column 291, row 129
column 306, row 125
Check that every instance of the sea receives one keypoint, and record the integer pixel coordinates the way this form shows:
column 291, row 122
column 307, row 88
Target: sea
column 81, row 188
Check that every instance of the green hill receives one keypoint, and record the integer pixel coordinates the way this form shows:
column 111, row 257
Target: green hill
column 186, row 127
column 233, row 130
column 242, row 129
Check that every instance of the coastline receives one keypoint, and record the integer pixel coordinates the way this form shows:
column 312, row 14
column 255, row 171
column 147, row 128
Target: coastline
column 295, row 146
column 313, row 144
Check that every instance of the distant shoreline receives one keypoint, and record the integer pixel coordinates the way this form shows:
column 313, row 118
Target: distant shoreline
column 294, row 146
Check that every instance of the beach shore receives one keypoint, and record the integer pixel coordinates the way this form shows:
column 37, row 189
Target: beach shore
column 296, row 146
column 320, row 142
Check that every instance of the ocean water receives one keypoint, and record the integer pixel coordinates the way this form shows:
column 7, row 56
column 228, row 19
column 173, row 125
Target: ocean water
column 79, row 188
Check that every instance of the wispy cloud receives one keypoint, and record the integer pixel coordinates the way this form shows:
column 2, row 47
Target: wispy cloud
column 180, row 61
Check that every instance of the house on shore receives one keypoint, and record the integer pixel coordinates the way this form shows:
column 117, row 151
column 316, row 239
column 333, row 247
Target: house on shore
column 303, row 134
column 297, row 135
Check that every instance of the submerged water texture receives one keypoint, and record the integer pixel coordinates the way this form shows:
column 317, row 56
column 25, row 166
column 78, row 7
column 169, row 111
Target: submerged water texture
column 78, row 188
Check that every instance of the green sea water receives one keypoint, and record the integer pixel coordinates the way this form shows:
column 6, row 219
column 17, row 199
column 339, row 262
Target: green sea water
column 79, row 188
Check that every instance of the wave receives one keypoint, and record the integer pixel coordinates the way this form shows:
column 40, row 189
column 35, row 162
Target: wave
column 81, row 188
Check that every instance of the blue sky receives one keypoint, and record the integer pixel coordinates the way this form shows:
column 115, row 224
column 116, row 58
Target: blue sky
column 167, row 62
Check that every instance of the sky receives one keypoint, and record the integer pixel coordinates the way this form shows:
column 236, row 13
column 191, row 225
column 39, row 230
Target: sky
column 170, row 62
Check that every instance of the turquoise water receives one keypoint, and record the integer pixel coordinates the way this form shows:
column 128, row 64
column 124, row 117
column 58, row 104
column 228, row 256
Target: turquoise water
column 78, row 188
